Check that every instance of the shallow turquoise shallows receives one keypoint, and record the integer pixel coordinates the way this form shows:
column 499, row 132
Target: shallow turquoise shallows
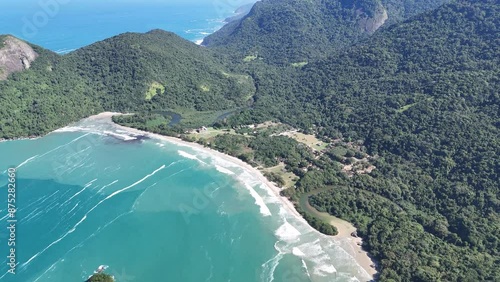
column 151, row 211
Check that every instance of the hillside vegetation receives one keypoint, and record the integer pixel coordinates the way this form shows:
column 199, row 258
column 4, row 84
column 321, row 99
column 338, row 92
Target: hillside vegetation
column 126, row 66
column 118, row 74
column 423, row 97
column 292, row 31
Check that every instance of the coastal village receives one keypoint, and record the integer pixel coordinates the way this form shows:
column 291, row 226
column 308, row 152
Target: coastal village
column 349, row 154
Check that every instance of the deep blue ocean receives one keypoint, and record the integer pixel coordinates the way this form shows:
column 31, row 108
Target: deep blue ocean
column 65, row 25
column 92, row 194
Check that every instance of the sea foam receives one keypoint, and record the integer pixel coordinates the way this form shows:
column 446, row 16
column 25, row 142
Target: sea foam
column 287, row 232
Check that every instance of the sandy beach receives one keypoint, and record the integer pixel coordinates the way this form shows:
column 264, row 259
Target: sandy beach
column 345, row 228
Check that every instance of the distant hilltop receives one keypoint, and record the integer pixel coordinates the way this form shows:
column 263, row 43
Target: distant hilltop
column 240, row 13
column 15, row 56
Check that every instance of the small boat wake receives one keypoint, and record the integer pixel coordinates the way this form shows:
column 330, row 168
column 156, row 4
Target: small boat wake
column 101, row 269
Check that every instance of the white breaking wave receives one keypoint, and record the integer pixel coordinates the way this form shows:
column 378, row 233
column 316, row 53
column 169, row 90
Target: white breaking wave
column 187, row 155
column 287, row 232
column 324, row 269
column 224, row 170
column 264, row 210
column 270, row 266
column 244, row 177
column 77, row 129
column 28, row 219
column 124, row 137
column 190, row 156
column 46, row 153
column 297, row 252
column 130, row 186
column 304, row 265
column 81, row 243
column 39, row 201
column 313, row 251
column 27, row 161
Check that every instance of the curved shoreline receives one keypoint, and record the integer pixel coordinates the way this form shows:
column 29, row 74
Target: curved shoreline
column 345, row 228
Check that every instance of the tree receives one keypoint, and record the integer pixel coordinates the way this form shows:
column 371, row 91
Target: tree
column 101, row 277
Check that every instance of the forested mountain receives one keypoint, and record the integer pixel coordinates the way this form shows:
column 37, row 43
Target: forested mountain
column 182, row 73
column 43, row 98
column 420, row 96
column 129, row 72
column 423, row 96
column 294, row 31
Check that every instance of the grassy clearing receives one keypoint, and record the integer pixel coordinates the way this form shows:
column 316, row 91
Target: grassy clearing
column 409, row 106
column 249, row 58
column 405, row 108
column 299, row 64
column 288, row 177
column 204, row 88
column 268, row 124
column 308, row 139
column 239, row 77
column 211, row 132
column 154, row 89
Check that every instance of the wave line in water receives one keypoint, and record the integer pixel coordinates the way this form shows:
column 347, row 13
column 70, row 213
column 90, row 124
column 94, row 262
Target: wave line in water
column 107, row 185
column 27, row 161
column 39, row 201
column 190, row 156
column 145, row 190
column 71, row 198
column 73, row 208
column 59, row 147
column 85, row 216
column 137, row 182
column 271, row 265
column 52, row 267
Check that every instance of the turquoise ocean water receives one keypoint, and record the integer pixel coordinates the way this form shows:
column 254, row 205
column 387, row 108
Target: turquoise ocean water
column 152, row 211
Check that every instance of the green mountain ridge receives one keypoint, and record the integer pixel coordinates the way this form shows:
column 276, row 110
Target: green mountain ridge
column 291, row 31
column 116, row 75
